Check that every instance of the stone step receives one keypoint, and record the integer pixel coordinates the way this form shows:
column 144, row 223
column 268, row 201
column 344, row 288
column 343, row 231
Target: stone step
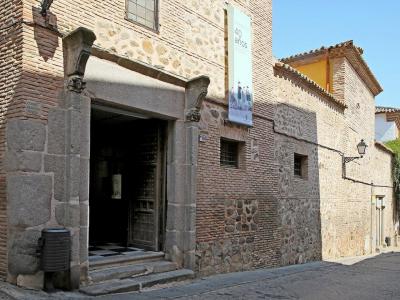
column 121, row 272
column 125, row 259
column 137, row 283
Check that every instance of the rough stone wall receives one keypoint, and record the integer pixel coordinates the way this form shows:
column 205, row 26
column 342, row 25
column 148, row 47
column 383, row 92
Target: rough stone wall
column 10, row 91
column 302, row 120
column 190, row 41
column 345, row 207
column 47, row 174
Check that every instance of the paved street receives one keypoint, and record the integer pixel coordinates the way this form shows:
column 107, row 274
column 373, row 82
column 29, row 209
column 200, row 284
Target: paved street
column 373, row 278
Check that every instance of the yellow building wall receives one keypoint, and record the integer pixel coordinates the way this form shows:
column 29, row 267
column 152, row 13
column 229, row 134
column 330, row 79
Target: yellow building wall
column 316, row 71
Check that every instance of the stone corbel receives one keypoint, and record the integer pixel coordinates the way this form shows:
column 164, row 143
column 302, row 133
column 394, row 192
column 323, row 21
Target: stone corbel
column 196, row 92
column 77, row 47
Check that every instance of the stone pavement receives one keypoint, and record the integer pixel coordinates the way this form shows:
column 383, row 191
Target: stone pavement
column 373, row 278
column 376, row 277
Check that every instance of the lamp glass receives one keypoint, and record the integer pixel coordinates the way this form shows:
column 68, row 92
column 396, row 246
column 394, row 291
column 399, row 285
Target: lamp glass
column 362, row 147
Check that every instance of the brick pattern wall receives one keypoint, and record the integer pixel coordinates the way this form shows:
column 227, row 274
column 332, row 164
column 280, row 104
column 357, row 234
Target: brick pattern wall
column 10, row 74
column 237, row 226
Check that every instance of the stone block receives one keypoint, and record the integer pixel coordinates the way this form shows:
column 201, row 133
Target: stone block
column 31, row 281
column 84, row 180
column 22, row 257
column 74, row 175
column 83, row 244
column 68, row 215
column 25, row 135
column 84, row 214
column 57, row 124
column 175, row 217
column 85, row 127
column 173, row 238
column 189, row 260
column 74, row 117
column 57, row 165
column 190, row 218
column 23, row 161
column 176, row 188
column 29, row 199
column 75, row 248
column 189, row 241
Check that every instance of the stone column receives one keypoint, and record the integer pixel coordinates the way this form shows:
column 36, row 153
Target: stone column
column 181, row 173
column 196, row 91
column 74, row 212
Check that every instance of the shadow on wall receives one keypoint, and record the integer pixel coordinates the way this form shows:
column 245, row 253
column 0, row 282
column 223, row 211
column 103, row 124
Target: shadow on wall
column 298, row 184
column 261, row 213
column 47, row 44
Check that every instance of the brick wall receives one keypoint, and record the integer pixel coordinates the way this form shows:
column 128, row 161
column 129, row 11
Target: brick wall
column 237, row 208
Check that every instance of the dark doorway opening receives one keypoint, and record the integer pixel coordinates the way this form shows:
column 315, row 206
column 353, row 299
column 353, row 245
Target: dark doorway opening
column 127, row 182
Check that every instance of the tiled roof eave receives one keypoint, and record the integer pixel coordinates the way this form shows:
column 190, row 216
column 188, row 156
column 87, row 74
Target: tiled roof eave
column 382, row 109
column 353, row 55
column 282, row 67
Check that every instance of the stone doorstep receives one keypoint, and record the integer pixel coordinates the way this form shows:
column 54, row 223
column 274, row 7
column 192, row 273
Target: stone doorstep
column 136, row 284
column 123, row 260
column 122, row 272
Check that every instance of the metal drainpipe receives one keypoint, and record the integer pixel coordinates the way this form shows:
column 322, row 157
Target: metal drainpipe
column 382, row 223
column 371, row 213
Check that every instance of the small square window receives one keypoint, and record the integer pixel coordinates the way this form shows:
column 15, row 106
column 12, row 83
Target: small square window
column 144, row 12
column 300, row 166
column 229, row 155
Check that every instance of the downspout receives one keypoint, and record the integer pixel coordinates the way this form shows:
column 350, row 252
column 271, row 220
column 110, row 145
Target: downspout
column 372, row 214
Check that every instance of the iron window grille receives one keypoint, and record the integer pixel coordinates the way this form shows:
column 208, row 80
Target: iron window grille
column 229, row 153
column 143, row 12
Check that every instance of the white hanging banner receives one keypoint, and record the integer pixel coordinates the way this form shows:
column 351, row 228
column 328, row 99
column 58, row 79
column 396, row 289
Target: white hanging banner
column 240, row 67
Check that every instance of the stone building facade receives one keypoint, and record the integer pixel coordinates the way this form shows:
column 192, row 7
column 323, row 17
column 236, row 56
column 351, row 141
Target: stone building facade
column 81, row 83
column 64, row 67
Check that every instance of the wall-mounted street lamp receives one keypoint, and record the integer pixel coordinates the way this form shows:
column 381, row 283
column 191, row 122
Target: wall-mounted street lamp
column 45, row 6
column 361, row 148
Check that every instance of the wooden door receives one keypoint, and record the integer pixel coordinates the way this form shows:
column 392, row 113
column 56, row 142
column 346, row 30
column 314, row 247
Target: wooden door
column 146, row 201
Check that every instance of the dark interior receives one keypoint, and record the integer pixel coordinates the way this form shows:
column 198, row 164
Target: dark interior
column 126, row 148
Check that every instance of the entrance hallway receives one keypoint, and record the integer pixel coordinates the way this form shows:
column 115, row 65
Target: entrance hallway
column 127, row 174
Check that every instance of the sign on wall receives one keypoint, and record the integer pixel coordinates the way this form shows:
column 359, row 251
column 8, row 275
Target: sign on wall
column 240, row 95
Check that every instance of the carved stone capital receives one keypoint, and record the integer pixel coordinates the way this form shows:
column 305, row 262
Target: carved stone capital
column 196, row 92
column 193, row 115
column 76, row 84
column 77, row 47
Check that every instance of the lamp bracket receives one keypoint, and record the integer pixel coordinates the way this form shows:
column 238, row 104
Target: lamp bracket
column 351, row 158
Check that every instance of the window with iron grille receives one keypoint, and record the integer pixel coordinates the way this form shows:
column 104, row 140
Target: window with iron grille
column 144, row 12
column 300, row 165
column 229, row 153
